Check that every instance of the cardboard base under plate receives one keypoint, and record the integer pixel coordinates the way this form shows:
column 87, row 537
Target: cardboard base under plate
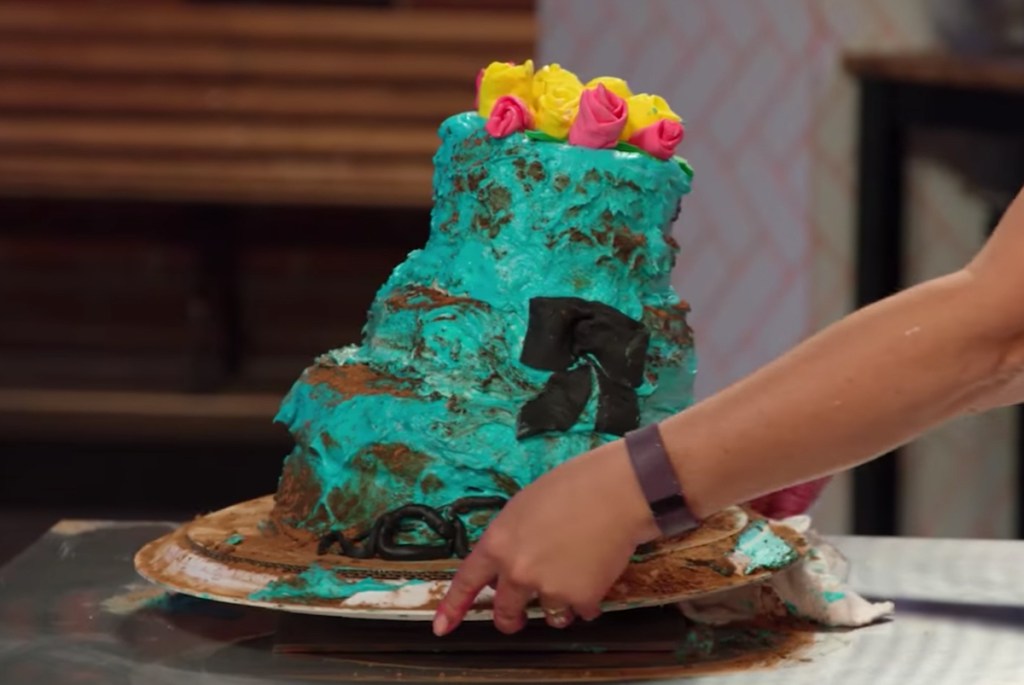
column 641, row 644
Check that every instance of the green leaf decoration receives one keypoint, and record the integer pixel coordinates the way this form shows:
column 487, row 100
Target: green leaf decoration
column 542, row 137
column 684, row 165
column 623, row 146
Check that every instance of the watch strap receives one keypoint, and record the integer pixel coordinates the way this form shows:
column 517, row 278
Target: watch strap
column 658, row 481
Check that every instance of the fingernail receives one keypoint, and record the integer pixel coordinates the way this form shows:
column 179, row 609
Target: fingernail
column 441, row 625
column 560, row 621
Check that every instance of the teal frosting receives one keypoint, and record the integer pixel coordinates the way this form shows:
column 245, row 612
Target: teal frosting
column 764, row 548
column 424, row 410
column 324, row 583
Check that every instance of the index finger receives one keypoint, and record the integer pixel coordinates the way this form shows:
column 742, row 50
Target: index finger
column 474, row 574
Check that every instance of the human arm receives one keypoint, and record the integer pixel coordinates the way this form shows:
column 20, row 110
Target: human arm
column 868, row 383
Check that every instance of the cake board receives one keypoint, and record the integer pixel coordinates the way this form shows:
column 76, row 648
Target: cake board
column 234, row 555
column 644, row 644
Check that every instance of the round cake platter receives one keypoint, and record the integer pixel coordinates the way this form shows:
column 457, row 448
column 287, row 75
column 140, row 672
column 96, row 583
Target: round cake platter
column 236, row 555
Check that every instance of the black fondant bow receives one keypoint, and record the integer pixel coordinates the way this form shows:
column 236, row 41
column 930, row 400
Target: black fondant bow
column 577, row 339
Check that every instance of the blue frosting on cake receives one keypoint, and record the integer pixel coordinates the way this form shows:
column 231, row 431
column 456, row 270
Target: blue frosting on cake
column 425, row 409
column 323, row 583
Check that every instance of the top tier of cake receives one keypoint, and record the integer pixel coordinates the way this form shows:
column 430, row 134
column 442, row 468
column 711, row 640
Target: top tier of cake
column 516, row 219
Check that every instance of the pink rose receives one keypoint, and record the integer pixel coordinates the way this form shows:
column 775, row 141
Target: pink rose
column 660, row 139
column 790, row 502
column 510, row 114
column 600, row 120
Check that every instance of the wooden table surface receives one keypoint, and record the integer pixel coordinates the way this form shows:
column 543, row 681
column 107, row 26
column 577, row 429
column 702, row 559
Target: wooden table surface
column 72, row 609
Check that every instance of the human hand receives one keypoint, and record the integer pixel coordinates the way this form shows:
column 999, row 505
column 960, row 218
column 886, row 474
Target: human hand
column 564, row 539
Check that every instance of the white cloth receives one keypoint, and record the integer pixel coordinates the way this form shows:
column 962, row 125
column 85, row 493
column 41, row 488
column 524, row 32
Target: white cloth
column 813, row 588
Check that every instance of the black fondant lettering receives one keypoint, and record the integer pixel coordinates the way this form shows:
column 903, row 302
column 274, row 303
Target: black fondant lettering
column 381, row 540
column 389, row 548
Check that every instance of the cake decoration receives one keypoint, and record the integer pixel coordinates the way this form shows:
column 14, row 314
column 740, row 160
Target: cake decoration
column 383, row 538
column 600, row 120
column 578, row 340
column 554, row 105
column 504, row 78
column 612, row 83
column 509, row 115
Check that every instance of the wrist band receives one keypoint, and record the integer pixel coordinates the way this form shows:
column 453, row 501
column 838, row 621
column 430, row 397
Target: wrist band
column 659, row 482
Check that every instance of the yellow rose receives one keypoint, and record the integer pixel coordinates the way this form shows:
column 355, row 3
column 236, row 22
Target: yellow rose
column 502, row 78
column 556, row 109
column 645, row 110
column 556, row 97
column 551, row 76
column 612, row 83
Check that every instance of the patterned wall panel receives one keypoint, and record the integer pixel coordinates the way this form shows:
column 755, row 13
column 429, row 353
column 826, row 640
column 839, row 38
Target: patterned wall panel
column 767, row 237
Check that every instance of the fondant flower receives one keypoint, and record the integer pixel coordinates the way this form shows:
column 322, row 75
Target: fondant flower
column 601, row 117
column 556, row 109
column 645, row 110
column 612, row 83
column 509, row 115
column 556, row 95
column 660, row 139
column 502, row 78
column 551, row 76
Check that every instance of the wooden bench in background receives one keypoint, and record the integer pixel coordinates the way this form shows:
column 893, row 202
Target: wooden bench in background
column 236, row 103
column 206, row 108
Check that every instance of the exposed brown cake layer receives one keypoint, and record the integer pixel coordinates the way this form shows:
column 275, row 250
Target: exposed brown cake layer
column 670, row 323
column 423, row 297
column 299, row 497
column 356, row 379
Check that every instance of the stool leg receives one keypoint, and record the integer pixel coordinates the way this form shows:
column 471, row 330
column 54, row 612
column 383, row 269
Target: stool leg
column 1018, row 411
column 879, row 274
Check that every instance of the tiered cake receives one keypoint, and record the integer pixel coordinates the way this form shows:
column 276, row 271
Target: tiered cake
column 537, row 322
